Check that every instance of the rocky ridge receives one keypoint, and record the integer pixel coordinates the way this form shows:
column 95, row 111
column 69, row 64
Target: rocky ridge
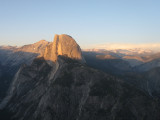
column 38, row 47
column 12, row 57
column 70, row 90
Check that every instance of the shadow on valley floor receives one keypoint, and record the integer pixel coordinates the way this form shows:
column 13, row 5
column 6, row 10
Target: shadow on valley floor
column 145, row 77
column 115, row 66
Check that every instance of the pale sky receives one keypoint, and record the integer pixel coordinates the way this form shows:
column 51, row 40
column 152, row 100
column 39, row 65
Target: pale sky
column 89, row 22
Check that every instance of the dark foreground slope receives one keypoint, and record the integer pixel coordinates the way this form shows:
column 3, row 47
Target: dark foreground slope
column 11, row 58
column 69, row 90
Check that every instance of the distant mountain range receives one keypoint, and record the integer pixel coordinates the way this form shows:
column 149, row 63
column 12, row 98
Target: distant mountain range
column 124, row 46
column 57, row 81
column 135, row 57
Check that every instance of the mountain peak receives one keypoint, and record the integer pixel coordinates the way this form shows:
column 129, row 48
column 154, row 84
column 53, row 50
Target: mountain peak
column 63, row 45
column 38, row 47
column 41, row 42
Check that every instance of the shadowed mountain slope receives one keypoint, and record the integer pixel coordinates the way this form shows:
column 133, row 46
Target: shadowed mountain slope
column 11, row 58
column 67, row 89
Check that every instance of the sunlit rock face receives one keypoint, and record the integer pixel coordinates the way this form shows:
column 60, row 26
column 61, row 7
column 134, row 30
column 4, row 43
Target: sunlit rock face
column 38, row 47
column 70, row 90
column 63, row 45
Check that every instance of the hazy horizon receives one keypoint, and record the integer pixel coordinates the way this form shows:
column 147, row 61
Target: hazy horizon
column 112, row 46
column 88, row 22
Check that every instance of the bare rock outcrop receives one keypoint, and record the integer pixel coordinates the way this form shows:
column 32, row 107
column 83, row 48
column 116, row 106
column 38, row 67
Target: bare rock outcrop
column 63, row 45
column 70, row 90
column 38, row 47
column 76, row 92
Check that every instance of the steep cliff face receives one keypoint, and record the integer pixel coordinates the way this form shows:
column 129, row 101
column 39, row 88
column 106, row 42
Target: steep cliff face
column 63, row 45
column 74, row 92
column 11, row 58
column 66, row 89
